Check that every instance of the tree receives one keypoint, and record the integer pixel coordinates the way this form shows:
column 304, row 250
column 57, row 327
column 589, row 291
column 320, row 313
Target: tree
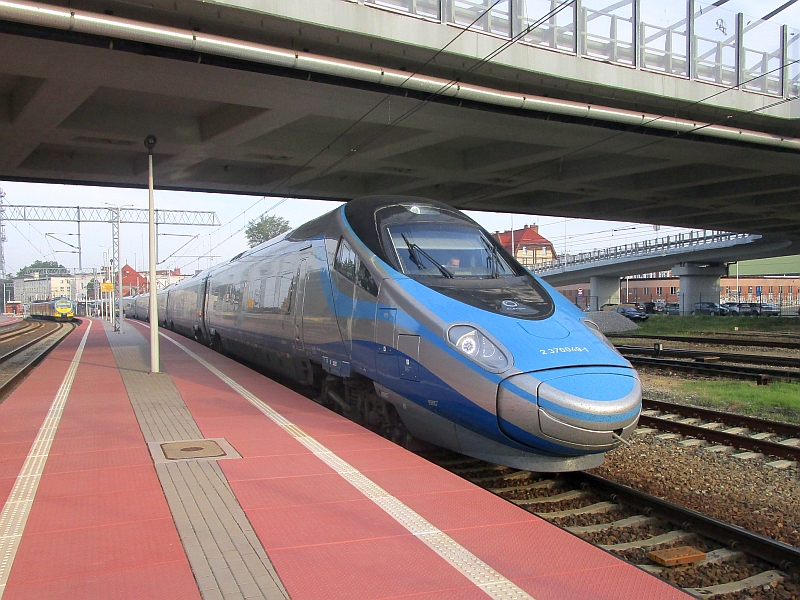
column 265, row 229
column 40, row 265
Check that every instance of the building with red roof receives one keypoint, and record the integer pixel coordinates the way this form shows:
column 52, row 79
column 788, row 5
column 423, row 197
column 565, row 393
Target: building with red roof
column 530, row 248
column 133, row 282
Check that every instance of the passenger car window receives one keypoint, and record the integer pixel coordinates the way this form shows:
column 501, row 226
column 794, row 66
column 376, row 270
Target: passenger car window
column 345, row 261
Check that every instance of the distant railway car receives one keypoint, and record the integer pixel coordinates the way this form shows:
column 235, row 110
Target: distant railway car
column 412, row 320
column 141, row 308
column 128, row 307
column 60, row 309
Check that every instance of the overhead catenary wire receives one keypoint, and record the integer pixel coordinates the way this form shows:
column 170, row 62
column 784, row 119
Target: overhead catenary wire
column 212, row 248
column 447, row 85
column 386, row 97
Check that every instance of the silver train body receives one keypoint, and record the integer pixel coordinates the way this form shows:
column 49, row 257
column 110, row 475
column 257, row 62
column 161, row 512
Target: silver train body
column 410, row 319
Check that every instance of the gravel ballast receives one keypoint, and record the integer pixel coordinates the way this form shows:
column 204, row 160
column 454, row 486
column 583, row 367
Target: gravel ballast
column 611, row 322
column 748, row 494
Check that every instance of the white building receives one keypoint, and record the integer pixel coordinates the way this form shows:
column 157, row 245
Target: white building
column 33, row 288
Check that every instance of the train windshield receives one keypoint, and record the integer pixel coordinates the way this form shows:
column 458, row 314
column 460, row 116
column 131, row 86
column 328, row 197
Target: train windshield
column 431, row 249
column 446, row 251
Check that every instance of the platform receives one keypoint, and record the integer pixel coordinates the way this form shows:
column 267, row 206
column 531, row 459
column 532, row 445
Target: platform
column 295, row 501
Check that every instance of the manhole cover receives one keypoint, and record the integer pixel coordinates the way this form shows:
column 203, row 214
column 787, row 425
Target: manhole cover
column 192, row 449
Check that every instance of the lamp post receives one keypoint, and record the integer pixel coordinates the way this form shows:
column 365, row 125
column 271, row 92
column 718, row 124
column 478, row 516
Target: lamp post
column 150, row 143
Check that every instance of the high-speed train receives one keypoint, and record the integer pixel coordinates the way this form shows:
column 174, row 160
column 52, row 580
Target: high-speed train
column 412, row 320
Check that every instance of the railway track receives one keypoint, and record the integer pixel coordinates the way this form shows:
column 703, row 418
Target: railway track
column 761, row 375
column 706, row 355
column 728, row 364
column 16, row 362
column 18, row 329
column 759, row 436
column 790, row 342
column 731, row 561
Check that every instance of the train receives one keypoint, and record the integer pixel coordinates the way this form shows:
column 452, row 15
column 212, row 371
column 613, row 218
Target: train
column 60, row 309
column 409, row 318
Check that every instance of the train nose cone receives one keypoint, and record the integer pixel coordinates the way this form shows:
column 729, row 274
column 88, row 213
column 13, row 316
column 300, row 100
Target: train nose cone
column 580, row 408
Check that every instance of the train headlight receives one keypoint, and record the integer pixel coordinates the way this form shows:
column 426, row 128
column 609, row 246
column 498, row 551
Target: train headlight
column 478, row 347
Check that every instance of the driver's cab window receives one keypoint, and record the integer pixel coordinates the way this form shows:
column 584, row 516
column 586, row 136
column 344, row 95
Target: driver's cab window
column 346, row 261
column 348, row 264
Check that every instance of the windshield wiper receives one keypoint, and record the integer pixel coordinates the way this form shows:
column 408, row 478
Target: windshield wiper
column 413, row 249
column 493, row 257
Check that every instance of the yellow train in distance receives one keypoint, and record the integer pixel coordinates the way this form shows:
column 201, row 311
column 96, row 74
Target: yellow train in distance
column 60, row 309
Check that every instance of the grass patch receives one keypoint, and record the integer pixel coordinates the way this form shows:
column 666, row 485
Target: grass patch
column 777, row 400
column 675, row 325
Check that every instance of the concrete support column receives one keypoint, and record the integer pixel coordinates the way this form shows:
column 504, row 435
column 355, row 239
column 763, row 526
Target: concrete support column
column 699, row 283
column 603, row 290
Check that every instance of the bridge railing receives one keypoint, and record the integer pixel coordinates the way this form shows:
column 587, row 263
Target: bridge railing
column 658, row 247
column 694, row 39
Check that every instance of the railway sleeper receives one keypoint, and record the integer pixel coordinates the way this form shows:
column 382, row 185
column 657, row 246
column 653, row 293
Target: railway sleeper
column 597, row 507
column 503, row 476
column 767, row 578
column 634, row 521
column 547, row 484
column 465, row 471
column 665, row 538
column 563, row 497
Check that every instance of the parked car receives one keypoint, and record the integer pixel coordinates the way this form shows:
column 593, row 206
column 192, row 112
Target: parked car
column 753, row 309
column 637, row 305
column 765, row 309
column 737, row 308
column 672, row 308
column 632, row 313
column 709, row 308
column 653, row 307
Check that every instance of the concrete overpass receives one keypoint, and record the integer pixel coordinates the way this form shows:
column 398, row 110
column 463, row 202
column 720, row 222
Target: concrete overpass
column 600, row 114
column 700, row 258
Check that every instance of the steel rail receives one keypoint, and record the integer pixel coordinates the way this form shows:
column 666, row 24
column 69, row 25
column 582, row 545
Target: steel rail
column 717, row 416
column 712, row 340
column 26, row 345
column 30, row 364
column 786, row 557
column 753, row 359
column 13, row 331
column 720, row 437
column 761, row 375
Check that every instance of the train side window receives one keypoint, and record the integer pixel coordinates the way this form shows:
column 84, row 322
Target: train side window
column 365, row 280
column 254, row 296
column 345, row 261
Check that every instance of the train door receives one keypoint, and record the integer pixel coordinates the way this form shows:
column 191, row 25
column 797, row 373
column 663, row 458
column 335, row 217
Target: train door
column 355, row 298
column 299, row 304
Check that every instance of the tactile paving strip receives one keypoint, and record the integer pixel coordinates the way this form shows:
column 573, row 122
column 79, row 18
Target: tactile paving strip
column 494, row 584
column 20, row 500
column 226, row 557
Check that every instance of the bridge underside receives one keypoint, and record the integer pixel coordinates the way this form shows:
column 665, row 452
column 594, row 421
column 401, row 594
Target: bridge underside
column 75, row 108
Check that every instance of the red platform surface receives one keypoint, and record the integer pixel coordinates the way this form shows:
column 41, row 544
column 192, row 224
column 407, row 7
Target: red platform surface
column 327, row 540
column 100, row 526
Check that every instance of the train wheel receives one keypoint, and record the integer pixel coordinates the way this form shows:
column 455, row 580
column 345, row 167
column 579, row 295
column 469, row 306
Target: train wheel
column 216, row 343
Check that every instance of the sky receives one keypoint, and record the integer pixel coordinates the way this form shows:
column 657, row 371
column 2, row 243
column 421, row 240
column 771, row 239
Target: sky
column 190, row 248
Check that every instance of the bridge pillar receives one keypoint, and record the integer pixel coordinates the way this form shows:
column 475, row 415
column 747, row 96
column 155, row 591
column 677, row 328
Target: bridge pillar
column 603, row 290
column 699, row 283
